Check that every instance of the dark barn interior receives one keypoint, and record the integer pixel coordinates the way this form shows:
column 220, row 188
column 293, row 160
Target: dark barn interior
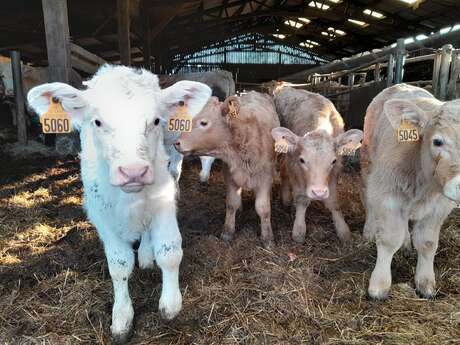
column 55, row 286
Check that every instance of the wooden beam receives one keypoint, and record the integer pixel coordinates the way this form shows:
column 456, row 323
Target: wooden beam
column 57, row 40
column 19, row 97
column 124, row 43
column 84, row 60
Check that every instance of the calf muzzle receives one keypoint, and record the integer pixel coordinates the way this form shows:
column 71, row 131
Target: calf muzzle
column 133, row 177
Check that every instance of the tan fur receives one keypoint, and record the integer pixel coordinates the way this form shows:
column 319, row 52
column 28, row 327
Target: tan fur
column 312, row 163
column 245, row 144
column 407, row 181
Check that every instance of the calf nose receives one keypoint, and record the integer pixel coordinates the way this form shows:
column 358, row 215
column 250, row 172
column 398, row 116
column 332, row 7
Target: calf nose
column 320, row 193
column 138, row 173
column 177, row 145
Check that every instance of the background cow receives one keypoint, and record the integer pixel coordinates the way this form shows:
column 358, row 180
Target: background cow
column 417, row 181
column 314, row 133
column 238, row 132
column 128, row 191
column 222, row 85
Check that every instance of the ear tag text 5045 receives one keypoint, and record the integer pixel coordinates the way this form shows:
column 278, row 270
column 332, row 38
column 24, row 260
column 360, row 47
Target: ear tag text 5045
column 232, row 111
column 407, row 132
column 281, row 146
column 181, row 121
column 55, row 120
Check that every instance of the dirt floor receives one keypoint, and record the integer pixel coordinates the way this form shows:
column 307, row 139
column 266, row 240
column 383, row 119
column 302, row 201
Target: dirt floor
column 55, row 287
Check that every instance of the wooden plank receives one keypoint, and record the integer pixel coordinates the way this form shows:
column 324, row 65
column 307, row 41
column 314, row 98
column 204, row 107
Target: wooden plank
column 390, row 70
column 19, row 97
column 124, row 43
column 436, row 69
column 84, row 60
column 454, row 76
column 57, row 40
column 446, row 57
column 147, row 48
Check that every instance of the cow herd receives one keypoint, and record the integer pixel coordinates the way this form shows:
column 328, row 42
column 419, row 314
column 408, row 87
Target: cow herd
column 130, row 188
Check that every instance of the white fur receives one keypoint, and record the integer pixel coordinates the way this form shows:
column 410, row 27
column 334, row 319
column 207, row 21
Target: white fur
column 127, row 102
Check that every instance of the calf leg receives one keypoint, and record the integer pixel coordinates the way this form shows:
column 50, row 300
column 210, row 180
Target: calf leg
column 263, row 209
column 167, row 248
column 120, row 259
column 145, row 251
column 286, row 193
column 206, row 164
column 341, row 227
column 426, row 236
column 232, row 205
column 391, row 228
column 300, row 228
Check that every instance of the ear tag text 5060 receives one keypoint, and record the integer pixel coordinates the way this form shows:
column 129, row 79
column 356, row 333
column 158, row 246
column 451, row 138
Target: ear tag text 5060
column 281, row 146
column 407, row 133
column 181, row 121
column 55, row 120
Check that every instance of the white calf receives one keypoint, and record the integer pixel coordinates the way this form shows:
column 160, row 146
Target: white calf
column 128, row 192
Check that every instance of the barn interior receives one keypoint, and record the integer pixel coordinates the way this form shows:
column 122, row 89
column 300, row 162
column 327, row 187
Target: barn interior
column 55, row 283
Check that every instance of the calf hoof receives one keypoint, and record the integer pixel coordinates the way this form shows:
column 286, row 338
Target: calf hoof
column 426, row 289
column 299, row 238
column 268, row 244
column 227, row 236
column 204, row 179
column 378, row 295
column 170, row 306
column 345, row 238
column 122, row 338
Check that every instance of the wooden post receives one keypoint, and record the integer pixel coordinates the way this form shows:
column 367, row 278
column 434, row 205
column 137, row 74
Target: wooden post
column 436, row 70
column 454, row 76
column 57, row 40
column 444, row 70
column 377, row 72
column 124, row 44
column 390, row 70
column 399, row 60
column 147, row 48
column 351, row 80
column 19, row 97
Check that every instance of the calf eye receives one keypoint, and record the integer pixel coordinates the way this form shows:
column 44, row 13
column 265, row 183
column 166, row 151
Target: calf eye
column 156, row 122
column 437, row 142
column 334, row 161
column 203, row 123
column 302, row 160
column 98, row 123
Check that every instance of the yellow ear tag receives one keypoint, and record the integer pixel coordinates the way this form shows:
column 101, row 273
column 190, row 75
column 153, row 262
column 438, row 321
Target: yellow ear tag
column 232, row 111
column 181, row 121
column 55, row 120
column 281, row 146
column 407, row 132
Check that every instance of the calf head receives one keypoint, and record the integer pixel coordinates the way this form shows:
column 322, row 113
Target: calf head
column 438, row 124
column 313, row 157
column 210, row 130
column 119, row 116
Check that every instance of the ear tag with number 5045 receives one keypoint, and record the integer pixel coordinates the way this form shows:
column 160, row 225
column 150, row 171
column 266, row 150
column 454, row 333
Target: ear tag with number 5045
column 281, row 146
column 181, row 121
column 407, row 132
column 55, row 120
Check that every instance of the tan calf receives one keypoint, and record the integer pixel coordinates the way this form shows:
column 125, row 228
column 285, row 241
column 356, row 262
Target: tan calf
column 242, row 139
column 417, row 181
column 314, row 132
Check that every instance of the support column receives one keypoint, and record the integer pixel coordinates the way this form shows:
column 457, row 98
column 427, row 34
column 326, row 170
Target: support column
column 444, row 70
column 19, row 97
column 124, row 43
column 399, row 60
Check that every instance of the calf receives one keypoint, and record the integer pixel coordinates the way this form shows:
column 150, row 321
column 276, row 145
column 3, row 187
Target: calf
column 128, row 191
column 315, row 137
column 222, row 85
column 238, row 132
column 409, row 181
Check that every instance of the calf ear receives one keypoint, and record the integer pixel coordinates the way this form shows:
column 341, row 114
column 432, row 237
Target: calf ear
column 279, row 133
column 234, row 100
column 71, row 100
column 399, row 110
column 348, row 142
column 195, row 95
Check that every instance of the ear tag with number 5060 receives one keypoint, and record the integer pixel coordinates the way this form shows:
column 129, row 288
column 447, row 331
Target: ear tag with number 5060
column 281, row 146
column 407, row 132
column 55, row 120
column 181, row 121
